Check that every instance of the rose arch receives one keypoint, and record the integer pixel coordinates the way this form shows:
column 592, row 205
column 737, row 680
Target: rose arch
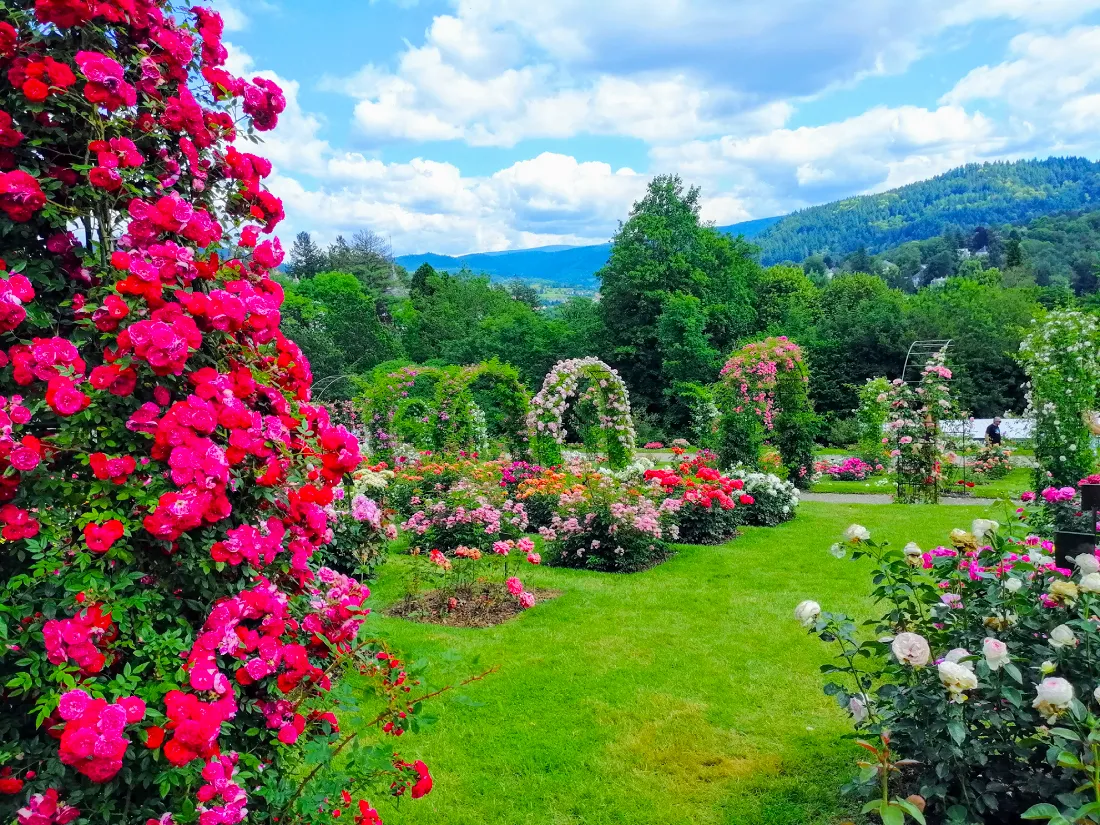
column 399, row 410
column 480, row 404
column 566, row 382
column 763, row 397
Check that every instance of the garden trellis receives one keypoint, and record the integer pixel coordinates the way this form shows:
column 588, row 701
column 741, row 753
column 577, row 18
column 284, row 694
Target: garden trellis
column 562, row 386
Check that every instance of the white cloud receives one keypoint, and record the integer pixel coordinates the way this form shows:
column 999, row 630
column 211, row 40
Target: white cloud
column 1052, row 81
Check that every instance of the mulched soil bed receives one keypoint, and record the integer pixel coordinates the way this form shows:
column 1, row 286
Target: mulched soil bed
column 484, row 605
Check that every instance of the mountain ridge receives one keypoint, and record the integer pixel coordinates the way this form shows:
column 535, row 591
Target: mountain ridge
column 992, row 193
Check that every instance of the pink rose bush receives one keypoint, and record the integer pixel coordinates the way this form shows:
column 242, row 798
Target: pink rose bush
column 177, row 616
column 976, row 671
column 852, row 468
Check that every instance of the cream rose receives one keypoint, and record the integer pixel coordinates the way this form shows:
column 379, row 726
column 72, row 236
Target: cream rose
column 857, row 533
column 911, row 649
column 807, row 613
column 957, row 679
column 1090, row 583
column 1087, row 563
column 983, row 527
column 1061, row 637
column 1053, row 697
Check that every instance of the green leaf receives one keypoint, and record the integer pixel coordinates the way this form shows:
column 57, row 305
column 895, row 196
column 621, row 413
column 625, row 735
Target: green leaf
column 892, row 815
column 1014, row 672
column 911, row 809
column 1044, row 810
column 957, row 730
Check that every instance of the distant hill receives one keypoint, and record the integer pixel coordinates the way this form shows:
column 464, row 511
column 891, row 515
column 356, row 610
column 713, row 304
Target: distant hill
column 964, row 198
column 989, row 194
column 573, row 266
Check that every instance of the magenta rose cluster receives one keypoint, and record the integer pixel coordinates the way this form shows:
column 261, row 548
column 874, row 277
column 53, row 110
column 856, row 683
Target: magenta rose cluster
column 174, row 634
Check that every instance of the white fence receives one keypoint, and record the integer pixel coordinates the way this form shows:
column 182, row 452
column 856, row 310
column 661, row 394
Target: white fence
column 1011, row 428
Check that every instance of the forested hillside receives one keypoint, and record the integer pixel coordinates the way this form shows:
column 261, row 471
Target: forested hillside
column 991, row 193
column 677, row 296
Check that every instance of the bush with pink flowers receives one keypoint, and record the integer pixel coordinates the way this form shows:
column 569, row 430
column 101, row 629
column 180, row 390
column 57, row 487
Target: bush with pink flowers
column 851, row 468
column 171, row 636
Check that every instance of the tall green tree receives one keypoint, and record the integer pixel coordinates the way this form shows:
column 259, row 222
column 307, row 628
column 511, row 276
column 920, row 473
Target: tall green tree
column 664, row 249
column 688, row 361
column 306, row 257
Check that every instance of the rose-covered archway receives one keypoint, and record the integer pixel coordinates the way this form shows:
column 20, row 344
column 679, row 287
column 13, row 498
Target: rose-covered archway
column 480, row 404
column 763, row 396
column 1061, row 359
column 566, row 382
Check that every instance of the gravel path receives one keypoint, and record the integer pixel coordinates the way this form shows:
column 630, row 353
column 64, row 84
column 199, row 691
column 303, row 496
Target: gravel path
column 877, row 498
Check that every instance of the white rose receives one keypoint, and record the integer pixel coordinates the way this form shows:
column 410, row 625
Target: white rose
column 957, row 679
column 982, row 527
column 996, row 653
column 912, row 549
column 1053, row 697
column 956, row 657
column 1087, row 563
column 837, row 550
column 1090, row 583
column 857, row 533
column 807, row 613
column 1096, row 694
column 912, row 649
column 1061, row 637
column 1013, row 585
column 858, row 708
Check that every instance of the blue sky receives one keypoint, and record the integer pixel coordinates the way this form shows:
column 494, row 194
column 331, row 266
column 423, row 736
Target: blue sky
column 479, row 125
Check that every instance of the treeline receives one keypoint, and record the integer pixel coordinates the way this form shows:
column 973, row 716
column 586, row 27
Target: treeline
column 990, row 194
column 677, row 297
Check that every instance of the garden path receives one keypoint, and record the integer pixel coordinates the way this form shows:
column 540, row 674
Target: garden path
column 878, row 498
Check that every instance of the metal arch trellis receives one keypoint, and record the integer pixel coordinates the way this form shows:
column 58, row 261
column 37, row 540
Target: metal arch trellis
column 923, row 350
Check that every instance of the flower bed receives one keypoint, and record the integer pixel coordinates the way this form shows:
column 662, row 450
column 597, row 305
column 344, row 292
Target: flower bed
column 774, row 500
column 852, row 468
column 472, row 588
column 711, row 506
column 977, row 682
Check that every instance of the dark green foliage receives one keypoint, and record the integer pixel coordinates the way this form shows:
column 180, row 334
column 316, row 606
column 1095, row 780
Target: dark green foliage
column 970, row 196
column 336, row 324
column 306, row 258
column 661, row 251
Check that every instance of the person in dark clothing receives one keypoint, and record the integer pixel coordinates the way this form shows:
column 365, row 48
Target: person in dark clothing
column 993, row 432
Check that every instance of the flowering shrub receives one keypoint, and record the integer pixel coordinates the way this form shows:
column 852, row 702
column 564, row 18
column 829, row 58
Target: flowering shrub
column 1063, row 369
column 850, row 469
column 171, row 636
column 979, row 667
column 564, row 382
column 992, row 462
column 466, row 515
column 602, row 524
column 711, row 505
column 774, row 500
column 765, row 395
column 913, row 430
column 361, row 524
column 654, row 445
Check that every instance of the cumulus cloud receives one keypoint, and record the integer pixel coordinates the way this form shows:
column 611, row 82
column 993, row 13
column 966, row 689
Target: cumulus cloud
column 879, row 149
column 1050, row 80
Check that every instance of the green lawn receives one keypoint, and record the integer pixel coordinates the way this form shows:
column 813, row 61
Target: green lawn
column 685, row 695
column 1010, row 486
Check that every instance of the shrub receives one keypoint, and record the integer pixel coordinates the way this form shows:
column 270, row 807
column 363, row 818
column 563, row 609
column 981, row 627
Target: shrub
column 979, row 667
column 992, row 462
column 711, row 505
column 842, row 431
column 171, row 639
column 466, row 515
column 361, row 524
column 774, row 500
column 603, row 525
column 850, row 469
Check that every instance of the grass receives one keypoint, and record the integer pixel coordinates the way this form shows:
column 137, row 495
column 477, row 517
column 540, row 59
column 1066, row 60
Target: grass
column 685, row 694
column 1010, row 486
